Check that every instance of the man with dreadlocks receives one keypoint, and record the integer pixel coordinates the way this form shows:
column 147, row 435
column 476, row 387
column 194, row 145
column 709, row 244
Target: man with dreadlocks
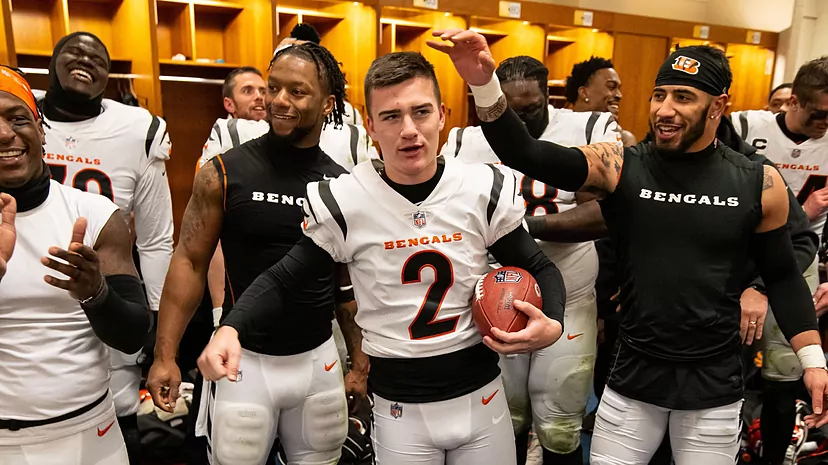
column 251, row 198
column 595, row 86
column 551, row 385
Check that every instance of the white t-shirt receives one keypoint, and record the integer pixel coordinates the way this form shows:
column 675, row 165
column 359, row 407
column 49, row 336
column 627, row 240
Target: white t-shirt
column 414, row 267
column 578, row 262
column 121, row 155
column 804, row 166
column 348, row 145
column 51, row 362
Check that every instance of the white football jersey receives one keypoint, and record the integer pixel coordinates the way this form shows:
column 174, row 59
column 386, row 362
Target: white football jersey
column 352, row 115
column 51, row 362
column 414, row 267
column 578, row 262
column 804, row 166
column 348, row 145
column 121, row 155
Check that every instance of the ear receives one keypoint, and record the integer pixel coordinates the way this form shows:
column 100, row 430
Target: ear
column 794, row 104
column 442, row 116
column 718, row 106
column 41, row 131
column 230, row 105
column 369, row 125
column 583, row 93
column 330, row 103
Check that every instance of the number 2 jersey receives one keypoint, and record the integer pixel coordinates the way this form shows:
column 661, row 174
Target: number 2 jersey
column 804, row 166
column 120, row 154
column 414, row 268
column 578, row 262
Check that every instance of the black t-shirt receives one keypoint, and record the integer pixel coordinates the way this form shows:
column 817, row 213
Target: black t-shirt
column 681, row 225
column 264, row 187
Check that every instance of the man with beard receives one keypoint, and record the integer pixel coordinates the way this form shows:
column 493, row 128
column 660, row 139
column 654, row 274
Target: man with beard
column 251, row 198
column 118, row 151
column 548, row 389
column 595, row 86
column 796, row 140
column 69, row 290
column 682, row 199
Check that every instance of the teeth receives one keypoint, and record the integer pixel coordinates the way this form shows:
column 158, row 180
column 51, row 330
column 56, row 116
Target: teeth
column 82, row 73
column 11, row 154
column 282, row 117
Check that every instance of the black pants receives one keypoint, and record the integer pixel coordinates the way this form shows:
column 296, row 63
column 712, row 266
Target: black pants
column 778, row 416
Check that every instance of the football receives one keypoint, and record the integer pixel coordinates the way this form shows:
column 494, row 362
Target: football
column 493, row 297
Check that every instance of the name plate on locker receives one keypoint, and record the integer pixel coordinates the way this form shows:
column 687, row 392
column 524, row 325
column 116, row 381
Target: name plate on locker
column 701, row 32
column 754, row 37
column 583, row 18
column 509, row 9
column 430, row 4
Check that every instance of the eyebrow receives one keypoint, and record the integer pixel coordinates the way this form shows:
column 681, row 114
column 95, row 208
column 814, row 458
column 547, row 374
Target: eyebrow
column 684, row 92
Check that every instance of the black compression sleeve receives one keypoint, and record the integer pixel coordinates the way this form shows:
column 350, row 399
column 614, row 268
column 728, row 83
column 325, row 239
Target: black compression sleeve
column 788, row 293
column 122, row 320
column 563, row 167
column 267, row 296
column 519, row 249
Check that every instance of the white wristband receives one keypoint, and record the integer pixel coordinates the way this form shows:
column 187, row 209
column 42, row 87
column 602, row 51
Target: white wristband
column 811, row 357
column 487, row 94
column 217, row 316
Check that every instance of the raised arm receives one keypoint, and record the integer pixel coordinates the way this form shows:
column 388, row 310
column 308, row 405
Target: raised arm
column 183, row 288
column 583, row 223
column 593, row 168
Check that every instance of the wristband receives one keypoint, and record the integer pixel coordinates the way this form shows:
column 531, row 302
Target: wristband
column 488, row 94
column 811, row 357
column 217, row 316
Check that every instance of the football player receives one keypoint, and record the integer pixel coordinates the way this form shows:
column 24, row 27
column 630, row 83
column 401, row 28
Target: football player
column 548, row 388
column 118, row 151
column 796, row 141
column 414, row 231
column 69, row 290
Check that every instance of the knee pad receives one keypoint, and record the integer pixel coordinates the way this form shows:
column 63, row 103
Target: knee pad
column 326, row 420
column 241, row 433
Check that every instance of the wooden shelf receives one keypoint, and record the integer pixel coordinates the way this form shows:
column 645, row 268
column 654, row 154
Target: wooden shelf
column 489, row 32
column 209, row 5
column 405, row 23
column 322, row 15
column 198, row 64
column 560, row 39
column 35, row 53
column 556, row 83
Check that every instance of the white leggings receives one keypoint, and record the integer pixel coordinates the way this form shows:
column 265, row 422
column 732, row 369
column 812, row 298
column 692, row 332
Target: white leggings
column 628, row 432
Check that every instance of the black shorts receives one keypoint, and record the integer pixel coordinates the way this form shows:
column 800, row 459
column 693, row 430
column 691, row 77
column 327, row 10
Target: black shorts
column 713, row 382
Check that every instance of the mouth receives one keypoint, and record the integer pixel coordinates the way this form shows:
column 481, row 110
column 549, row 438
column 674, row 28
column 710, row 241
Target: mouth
column 81, row 75
column 259, row 108
column 613, row 107
column 666, row 131
column 11, row 157
column 410, row 149
column 282, row 117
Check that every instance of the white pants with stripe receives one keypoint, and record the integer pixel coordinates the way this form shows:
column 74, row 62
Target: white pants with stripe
column 473, row 429
column 99, row 442
column 299, row 398
column 125, row 381
column 549, row 388
column 628, row 432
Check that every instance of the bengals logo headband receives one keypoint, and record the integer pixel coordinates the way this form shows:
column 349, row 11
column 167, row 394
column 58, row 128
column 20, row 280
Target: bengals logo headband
column 688, row 67
column 13, row 83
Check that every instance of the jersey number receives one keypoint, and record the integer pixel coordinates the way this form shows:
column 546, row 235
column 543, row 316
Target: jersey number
column 426, row 325
column 814, row 182
column 542, row 204
column 83, row 178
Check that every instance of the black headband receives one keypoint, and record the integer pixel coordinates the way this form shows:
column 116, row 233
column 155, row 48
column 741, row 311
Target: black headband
column 688, row 67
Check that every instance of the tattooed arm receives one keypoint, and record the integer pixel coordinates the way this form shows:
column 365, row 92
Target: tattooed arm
column 346, row 309
column 184, row 285
column 774, row 201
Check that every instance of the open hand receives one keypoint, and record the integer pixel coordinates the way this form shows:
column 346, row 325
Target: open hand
column 816, row 380
column 81, row 266
column 541, row 331
column 468, row 51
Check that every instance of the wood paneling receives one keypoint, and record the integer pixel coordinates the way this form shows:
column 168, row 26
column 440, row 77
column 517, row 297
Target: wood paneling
column 190, row 111
column 95, row 17
column 135, row 39
column 508, row 38
column 175, row 30
column 587, row 43
column 752, row 68
column 637, row 59
column 38, row 24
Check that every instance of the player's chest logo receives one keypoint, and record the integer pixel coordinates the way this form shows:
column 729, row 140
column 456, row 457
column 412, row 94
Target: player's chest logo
column 70, row 142
column 419, row 219
column 795, row 153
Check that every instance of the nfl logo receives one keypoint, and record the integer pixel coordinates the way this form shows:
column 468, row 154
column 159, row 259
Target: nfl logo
column 70, row 142
column 796, row 153
column 419, row 220
column 396, row 410
column 508, row 276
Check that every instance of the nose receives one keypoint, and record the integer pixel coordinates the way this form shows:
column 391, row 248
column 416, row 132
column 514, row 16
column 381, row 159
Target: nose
column 7, row 134
column 666, row 108
column 280, row 99
column 784, row 107
column 618, row 94
column 409, row 128
column 260, row 94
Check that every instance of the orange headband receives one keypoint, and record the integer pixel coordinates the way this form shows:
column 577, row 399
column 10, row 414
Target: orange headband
column 14, row 84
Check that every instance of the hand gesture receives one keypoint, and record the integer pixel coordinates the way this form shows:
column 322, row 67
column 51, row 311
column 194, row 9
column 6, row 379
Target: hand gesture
column 821, row 299
column 754, row 310
column 539, row 332
column 163, row 382
column 816, row 380
column 816, row 204
column 82, row 266
column 221, row 356
column 8, row 235
column 469, row 52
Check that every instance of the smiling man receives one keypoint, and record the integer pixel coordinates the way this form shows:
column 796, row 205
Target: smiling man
column 683, row 198
column 118, row 151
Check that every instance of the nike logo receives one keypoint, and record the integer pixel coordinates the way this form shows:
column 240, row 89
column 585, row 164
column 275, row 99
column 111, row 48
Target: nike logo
column 330, row 367
column 486, row 400
column 573, row 336
column 101, row 432
column 497, row 420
